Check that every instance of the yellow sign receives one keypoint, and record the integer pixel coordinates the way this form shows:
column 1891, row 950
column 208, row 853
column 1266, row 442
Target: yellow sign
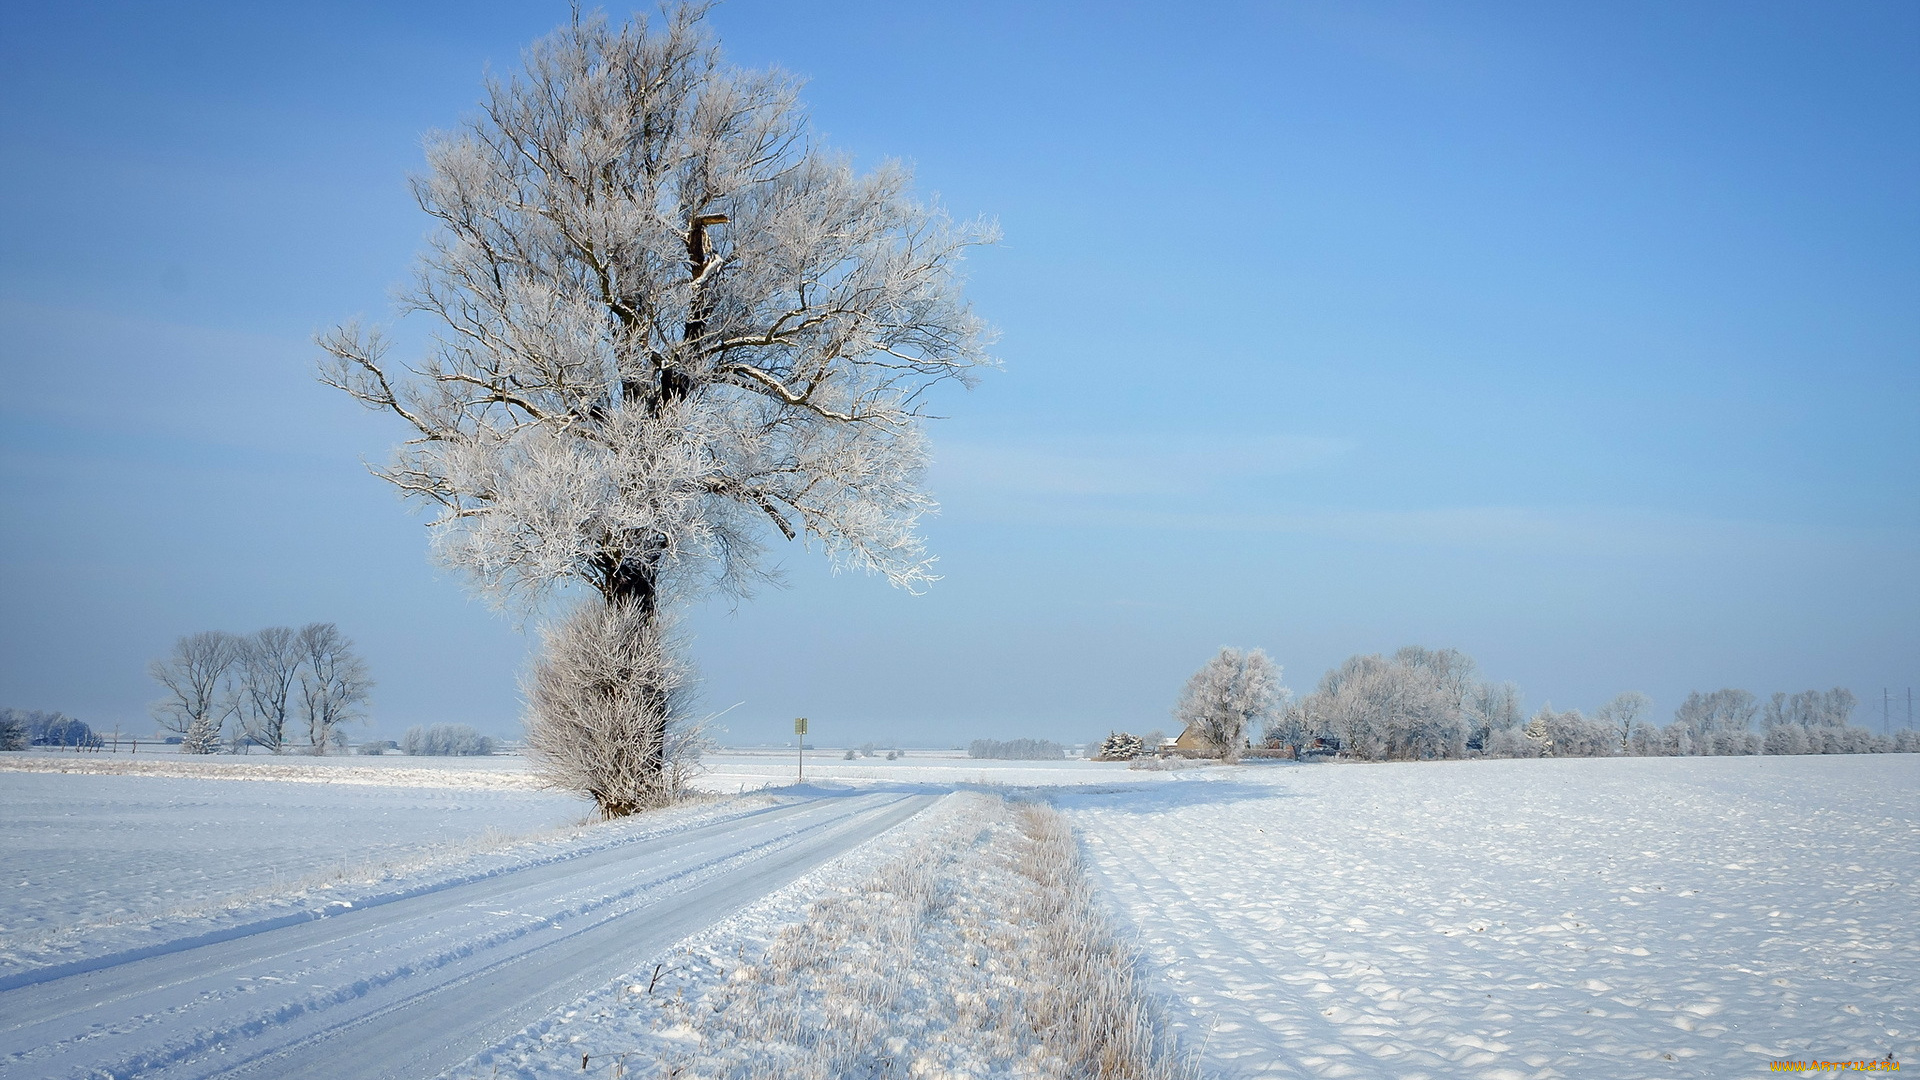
column 799, row 725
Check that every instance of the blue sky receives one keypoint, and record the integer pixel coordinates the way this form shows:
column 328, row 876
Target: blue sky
column 1585, row 339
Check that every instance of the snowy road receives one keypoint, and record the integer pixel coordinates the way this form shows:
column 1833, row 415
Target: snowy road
column 412, row 987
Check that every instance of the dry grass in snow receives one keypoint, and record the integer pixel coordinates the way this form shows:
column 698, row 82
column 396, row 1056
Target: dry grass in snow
column 966, row 944
column 506, row 774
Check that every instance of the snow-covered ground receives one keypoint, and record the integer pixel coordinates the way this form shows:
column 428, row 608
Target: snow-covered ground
column 963, row 944
column 91, row 864
column 1598, row 918
column 1606, row 918
column 408, row 973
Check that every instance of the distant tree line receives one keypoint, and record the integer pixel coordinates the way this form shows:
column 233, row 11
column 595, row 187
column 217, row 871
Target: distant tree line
column 446, row 740
column 1017, row 750
column 1424, row 704
column 22, row 728
column 278, row 688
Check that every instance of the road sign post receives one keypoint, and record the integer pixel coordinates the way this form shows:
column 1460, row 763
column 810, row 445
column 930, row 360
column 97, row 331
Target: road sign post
column 800, row 740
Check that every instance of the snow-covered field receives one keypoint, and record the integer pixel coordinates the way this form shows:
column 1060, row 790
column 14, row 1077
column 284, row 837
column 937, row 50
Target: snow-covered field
column 1602, row 918
column 94, row 863
column 411, row 969
column 499, row 772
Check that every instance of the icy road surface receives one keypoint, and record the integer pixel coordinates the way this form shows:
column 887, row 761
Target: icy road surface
column 410, row 986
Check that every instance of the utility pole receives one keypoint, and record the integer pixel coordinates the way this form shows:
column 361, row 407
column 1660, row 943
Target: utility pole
column 800, row 740
column 1886, row 699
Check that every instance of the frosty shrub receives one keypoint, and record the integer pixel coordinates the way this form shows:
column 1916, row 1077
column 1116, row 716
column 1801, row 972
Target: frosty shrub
column 1017, row 750
column 376, row 747
column 1786, row 739
column 1415, row 705
column 202, row 737
column 1512, row 742
column 607, row 710
column 1121, row 746
column 13, row 730
column 670, row 325
column 1644, row 740
column 1906, row 741
column 444, row 740
column 1572, row 735
column 1230, row 694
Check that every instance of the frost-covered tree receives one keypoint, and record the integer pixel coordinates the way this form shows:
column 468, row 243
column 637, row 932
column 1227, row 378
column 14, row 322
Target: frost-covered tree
column 13, row 730
column 269, row 669
column 672, row 324
column 1702, row 715
column 1121, row 746
column 198, row 679
column 1290, row 729
column 1570, row 734
column 1230, row 694
column 1622, row 713
column 1379, row 709
column 1493, row 708
column 334, row 684
column 1810, row 709
column 1644, row 740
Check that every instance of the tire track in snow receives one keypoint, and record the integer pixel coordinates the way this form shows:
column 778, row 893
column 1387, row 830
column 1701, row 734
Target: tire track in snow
column 413, row 986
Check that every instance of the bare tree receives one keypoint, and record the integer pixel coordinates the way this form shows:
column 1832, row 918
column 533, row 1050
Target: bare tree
column 270, row 663
column 1231, row 693
column 1623, row 712
column 672, row 324
column 333, row 683
column 198, row 678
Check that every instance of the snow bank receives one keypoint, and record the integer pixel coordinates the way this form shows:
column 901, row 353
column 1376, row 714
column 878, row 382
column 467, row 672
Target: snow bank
column 1603, row 918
